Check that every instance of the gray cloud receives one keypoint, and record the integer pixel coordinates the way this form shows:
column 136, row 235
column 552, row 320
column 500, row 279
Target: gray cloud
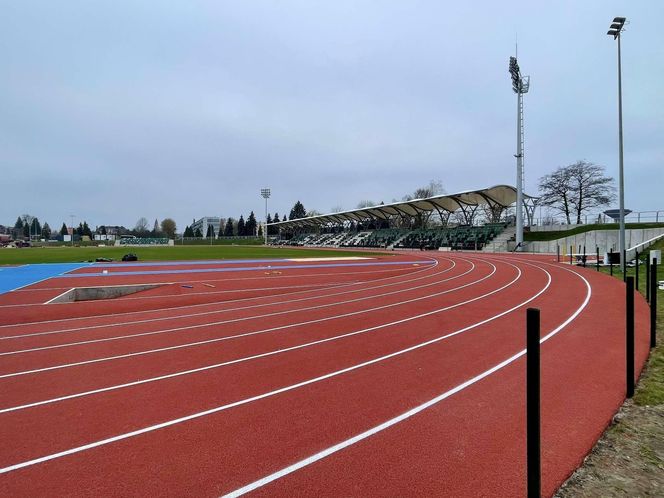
column 116, row 110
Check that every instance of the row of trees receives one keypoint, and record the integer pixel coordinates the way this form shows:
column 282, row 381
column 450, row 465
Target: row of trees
column 231, row 228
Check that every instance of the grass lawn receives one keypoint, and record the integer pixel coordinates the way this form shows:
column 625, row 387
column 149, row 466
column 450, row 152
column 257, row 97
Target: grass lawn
column 650, row 390
column 559, row 234
column 75, row 254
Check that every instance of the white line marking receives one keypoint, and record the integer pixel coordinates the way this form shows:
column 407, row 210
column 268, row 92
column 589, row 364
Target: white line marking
column 268, row 394
column 422, row 270
column 406, row 415
column 56, row 297
column 241, row 319
column 253, row 357
column 227, row 310
column 226, row 338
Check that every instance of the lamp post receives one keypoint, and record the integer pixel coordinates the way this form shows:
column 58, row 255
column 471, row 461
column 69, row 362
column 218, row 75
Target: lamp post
column 615, row 29
column 520, row 86
column 72, row 229
column 265, row 192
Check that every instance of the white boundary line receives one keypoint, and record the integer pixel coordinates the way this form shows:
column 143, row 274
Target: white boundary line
column 227, row 310
column 291, row 387
column 199, row 305
column 406, row 415
column 242, row 319
column 247, row 334
column 253, row 357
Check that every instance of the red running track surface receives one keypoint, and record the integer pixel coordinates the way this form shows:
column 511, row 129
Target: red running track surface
column 369, row 381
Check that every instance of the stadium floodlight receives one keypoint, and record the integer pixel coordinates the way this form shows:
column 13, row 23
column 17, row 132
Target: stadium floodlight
column 72, row 216
column 616, row 28
column 520, row 86
column 265, row 193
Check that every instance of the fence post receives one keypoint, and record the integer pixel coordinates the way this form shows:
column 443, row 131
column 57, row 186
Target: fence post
column 636, row 272
column 623, row 262
column 558, row 253
column 610, row 264
column 583, row 257
column 533, row 424
column 629, row 336
column 654, row 284
column 647, row 278
column 571, row 254
column 597, row 262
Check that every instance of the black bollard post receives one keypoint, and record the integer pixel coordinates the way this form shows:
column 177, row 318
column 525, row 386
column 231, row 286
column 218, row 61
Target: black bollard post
column 623, row 264
column 647, row 278
column 571, row 254
column 654, row 284
column 629, row 336
column 583, row 257
column 610, row 264
column 636, row 270
column 533, row 424
column 557, row 253
column 597, row 262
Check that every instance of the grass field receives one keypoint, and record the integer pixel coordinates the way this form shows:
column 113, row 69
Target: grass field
column 651, row 385
column 559, row 234
column 75, row 254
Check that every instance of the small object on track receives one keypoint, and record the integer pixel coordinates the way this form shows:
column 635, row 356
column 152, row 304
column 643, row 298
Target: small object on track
column 208, row 285
column 187, row 286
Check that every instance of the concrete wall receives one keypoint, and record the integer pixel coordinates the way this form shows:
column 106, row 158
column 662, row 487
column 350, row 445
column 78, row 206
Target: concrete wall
column 606, row 240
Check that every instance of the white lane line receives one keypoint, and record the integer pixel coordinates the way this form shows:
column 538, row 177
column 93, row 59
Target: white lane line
column 226, row 338
column 253, row 357
column 192, row 306
column 268, row 394
column 406, row 415
column 262, row 277
column 227, row 310
column 236, row 320
column 56, row 297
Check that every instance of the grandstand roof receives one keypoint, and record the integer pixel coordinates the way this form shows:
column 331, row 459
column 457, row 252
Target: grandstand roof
column 503, row 195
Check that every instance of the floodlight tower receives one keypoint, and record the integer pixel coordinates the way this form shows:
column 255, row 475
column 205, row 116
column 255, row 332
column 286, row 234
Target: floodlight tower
column 520, row 85
column 265, row 192
column 615, row 29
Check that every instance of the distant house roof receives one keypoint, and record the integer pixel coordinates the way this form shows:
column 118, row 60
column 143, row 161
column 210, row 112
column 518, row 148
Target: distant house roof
column 501, row 195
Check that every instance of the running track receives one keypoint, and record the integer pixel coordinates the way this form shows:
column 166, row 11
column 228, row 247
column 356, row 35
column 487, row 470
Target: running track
column 403, row 378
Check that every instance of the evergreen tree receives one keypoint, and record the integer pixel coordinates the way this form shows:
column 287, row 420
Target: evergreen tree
column 198, row 233
column 46, row 231
column 250, row 226
column 298, row 211
column 34, row 228
column 188, row 232
column 64, row 230
column 210, row 232
column 228, row 230
column 240, row 226
column 260, row 230
column 85, row 230
column 102, row 230
column 19, row 224
column 155, row 228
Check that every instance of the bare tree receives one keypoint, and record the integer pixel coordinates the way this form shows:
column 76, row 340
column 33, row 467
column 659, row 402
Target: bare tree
column 576, row 188
column 365, row 203
column 433, row 188
column 141, row 225
column 493, row 213
column 336, row 209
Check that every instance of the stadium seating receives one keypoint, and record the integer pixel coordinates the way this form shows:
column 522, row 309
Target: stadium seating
column 461, row 237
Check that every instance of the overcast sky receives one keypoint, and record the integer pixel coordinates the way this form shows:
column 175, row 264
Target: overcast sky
column 113, row 110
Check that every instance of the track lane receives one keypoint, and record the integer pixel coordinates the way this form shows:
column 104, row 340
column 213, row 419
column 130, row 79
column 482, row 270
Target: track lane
column 314, row 358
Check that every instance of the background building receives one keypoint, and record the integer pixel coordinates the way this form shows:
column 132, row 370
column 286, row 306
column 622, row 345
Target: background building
column 206, row 221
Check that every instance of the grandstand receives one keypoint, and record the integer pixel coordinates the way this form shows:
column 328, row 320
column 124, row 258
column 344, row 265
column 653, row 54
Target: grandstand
column 407, row 224
column 143, row 241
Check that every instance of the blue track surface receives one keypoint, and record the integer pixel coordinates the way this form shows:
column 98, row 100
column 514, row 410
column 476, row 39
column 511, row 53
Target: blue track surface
column 15, row 277
column 198, row 262
column 245, row 268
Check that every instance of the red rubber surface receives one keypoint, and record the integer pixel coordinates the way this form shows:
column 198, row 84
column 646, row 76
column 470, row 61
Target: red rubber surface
column 262, row 331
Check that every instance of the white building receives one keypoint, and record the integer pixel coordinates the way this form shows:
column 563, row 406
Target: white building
column 206, row 221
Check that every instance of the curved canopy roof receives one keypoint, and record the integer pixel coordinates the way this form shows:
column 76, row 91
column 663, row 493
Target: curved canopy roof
column 502, row 195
